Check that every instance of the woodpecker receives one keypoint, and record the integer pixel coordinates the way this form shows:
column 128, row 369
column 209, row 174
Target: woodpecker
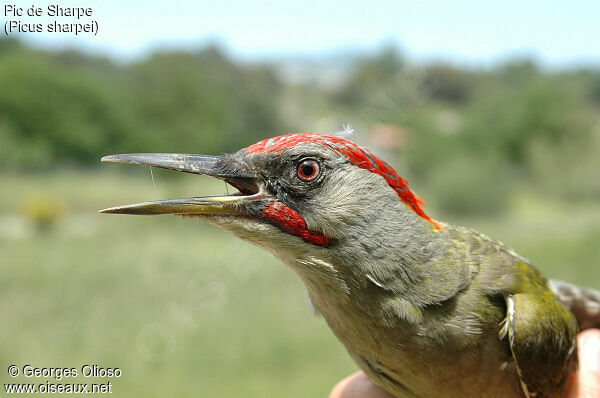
column 425, row 308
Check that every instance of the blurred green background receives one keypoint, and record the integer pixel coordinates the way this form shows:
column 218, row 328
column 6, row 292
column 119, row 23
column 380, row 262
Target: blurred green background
column 184, row 309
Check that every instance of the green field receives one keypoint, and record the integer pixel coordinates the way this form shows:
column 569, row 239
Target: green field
column 184, row 309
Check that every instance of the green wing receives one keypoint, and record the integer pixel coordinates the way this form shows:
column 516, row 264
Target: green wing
column 541, row 333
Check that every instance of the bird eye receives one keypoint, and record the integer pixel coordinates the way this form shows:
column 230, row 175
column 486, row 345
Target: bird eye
column 308, row 170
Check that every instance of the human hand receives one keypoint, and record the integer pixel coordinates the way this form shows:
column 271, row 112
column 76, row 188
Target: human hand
column 358, row 385
column 586, row 382
column 583, row 384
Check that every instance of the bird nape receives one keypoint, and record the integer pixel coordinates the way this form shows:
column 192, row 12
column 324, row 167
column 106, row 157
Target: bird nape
column 426, row 309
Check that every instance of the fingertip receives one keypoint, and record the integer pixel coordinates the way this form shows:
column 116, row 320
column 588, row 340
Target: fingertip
column 341, row 390
column 357, row 385
column 589, row 350
column 586, row 382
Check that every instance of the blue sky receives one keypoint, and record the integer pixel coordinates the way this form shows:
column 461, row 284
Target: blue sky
column 558, row 33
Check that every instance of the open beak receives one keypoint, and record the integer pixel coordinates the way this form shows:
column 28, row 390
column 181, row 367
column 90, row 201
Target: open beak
column 222, row 167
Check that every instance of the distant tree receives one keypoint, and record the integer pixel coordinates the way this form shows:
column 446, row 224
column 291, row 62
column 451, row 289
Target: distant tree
column 370, row 75
column 56, row 115
column 449, row 84
column 67, row 107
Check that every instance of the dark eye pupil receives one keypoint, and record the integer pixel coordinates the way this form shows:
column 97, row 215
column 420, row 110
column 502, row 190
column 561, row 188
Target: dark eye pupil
column 308, row 170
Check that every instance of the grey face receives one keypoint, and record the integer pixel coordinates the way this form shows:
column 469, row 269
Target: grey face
column 343, row 201
column 299, row 176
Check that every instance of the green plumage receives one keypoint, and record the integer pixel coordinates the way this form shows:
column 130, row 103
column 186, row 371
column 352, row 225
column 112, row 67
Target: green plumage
column 538, row 328
column 465, row 316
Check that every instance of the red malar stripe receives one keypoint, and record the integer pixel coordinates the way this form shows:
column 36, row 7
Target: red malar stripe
column 293, row 223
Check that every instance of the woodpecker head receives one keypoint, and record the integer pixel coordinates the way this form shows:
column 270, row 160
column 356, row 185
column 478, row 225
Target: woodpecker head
column 300, row 195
